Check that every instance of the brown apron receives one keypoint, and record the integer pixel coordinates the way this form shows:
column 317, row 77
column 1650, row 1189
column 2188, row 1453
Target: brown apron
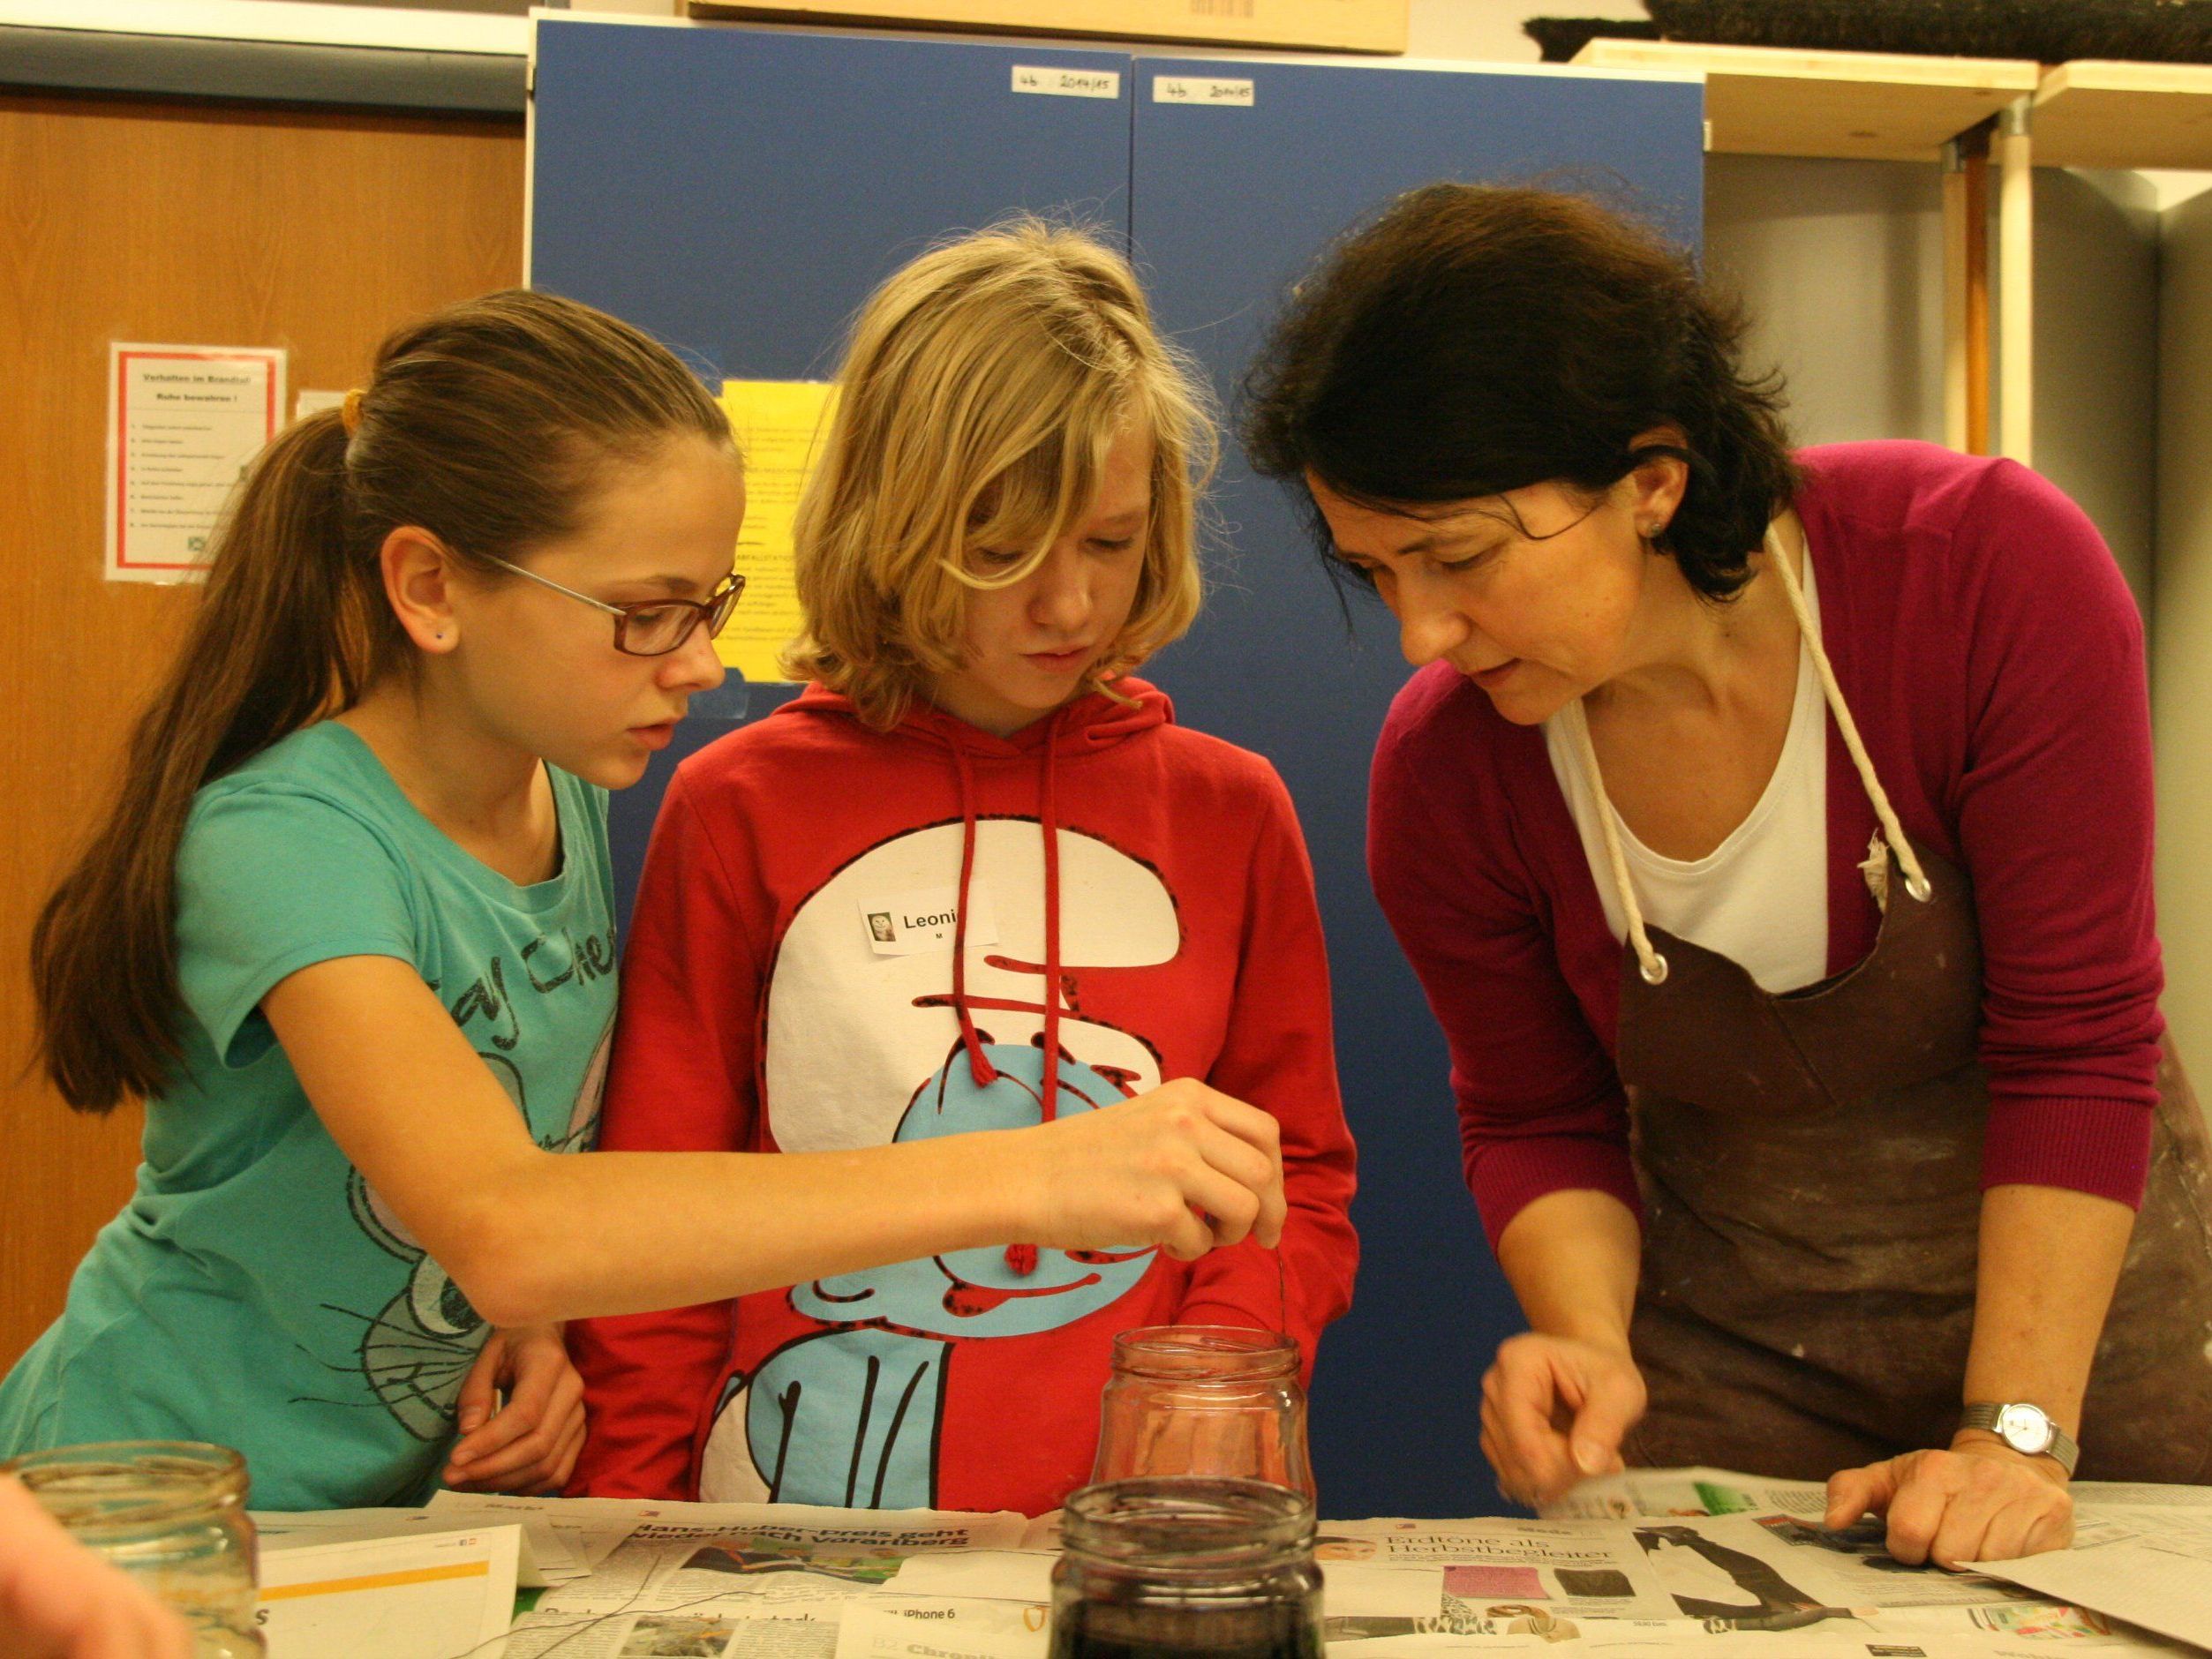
column 1811, row 1168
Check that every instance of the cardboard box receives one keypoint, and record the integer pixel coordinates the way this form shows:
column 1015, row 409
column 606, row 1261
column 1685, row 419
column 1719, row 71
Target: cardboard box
column 1321, row 25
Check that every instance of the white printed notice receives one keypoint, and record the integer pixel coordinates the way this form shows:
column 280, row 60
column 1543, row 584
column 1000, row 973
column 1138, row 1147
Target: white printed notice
column 182, row 422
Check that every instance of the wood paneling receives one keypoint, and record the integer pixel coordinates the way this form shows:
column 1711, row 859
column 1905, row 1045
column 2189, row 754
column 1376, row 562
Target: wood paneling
column 1859, row 106
column 2093, row 114
column 170, row 222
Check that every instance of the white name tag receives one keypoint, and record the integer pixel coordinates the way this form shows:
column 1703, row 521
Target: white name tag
column 906, row 924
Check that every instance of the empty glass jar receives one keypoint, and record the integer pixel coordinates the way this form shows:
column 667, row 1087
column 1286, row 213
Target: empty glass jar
column 1204, row 1400
column 1164, row 1566
column 169, row 1513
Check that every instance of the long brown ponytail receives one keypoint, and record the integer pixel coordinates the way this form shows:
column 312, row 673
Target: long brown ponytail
column 488, row 425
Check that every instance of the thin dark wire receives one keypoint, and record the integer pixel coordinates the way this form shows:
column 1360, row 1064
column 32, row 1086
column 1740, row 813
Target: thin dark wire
column 587, row 1622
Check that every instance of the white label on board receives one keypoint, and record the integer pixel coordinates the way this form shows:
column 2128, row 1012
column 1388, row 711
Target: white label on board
column 1067, row 83
column 1201, row 89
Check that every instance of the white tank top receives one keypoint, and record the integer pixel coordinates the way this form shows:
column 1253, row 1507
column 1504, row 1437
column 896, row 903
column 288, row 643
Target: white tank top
column 1761, row 896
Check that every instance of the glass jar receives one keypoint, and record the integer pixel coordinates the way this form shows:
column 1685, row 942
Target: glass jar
column 171, row 1513
column 1165, row 1565
column 1204, row 1400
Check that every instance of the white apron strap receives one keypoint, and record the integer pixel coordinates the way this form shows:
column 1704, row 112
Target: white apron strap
column 1652, row 965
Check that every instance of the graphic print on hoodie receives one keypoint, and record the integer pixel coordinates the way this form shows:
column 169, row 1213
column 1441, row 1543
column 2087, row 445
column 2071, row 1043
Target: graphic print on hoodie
column 846, row 938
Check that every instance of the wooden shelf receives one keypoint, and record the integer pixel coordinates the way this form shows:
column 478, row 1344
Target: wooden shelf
column 2094, row 114
column 1864, row 106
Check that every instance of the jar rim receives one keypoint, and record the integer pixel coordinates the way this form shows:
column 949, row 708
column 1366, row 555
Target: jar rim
column 1183, row 1523
column 115, row 1484
column 1187, row 1351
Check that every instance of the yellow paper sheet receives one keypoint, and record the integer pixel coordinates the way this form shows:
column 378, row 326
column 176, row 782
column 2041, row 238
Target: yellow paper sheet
column 780, row 425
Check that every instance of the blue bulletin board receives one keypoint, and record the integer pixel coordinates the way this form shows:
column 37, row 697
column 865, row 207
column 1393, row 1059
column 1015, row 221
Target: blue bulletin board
column 739, row 191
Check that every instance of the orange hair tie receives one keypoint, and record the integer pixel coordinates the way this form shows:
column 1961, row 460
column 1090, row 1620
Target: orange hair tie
column 350, row 412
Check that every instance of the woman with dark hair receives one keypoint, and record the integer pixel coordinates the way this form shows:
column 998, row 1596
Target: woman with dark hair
column 1771, row 834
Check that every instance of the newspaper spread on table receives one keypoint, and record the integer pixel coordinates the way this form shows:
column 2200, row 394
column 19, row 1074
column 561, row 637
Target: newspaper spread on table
column 733, row 1580
column 1689, row 1562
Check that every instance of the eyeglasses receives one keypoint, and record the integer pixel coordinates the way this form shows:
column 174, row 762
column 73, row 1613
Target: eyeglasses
column 651, row 628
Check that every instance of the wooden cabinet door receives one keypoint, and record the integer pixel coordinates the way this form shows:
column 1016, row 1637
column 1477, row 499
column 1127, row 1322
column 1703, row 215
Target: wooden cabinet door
column 192, row 223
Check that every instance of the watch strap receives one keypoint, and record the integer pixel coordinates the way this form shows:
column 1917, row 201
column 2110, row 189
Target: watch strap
column 1984, row 1414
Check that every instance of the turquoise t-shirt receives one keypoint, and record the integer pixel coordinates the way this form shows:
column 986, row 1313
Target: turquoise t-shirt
column 256, row 1291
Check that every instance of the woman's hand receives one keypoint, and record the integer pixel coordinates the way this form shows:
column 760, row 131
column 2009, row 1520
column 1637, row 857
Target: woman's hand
column 1555, row 1410
column 530, row 1442
column 59, row 1600
column 1184, row 1167
column 1979, row 1501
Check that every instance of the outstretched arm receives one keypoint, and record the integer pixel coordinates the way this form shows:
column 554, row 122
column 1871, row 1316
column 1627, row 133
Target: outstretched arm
column 532, row 1236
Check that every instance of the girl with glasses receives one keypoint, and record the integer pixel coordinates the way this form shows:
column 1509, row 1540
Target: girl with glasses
column 347, row 930
column 974, row 876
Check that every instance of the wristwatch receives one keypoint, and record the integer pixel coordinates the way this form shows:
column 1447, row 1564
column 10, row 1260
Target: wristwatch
column 2027, row 1429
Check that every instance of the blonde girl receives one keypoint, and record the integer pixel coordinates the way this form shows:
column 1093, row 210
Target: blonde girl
column 974, row 878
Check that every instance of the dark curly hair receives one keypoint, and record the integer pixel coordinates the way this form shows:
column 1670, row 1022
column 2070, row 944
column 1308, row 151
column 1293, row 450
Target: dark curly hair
column 1477, row 338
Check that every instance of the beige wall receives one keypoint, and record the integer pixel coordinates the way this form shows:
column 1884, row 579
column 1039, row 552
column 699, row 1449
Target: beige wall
column 2096, row 358
column 1841, row 264
column 2181, row 647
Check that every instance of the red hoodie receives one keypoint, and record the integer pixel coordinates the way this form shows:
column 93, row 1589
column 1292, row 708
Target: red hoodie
column 792, row 983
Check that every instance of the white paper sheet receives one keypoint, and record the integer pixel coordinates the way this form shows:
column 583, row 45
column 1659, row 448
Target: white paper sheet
column 547, row 1559
column 911, row 1627
column 2149, row 1567
column 1004, row 1575
column 421, row 1596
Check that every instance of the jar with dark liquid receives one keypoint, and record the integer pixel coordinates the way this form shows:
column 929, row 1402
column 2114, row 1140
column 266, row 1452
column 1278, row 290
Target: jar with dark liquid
column 1176, row 1567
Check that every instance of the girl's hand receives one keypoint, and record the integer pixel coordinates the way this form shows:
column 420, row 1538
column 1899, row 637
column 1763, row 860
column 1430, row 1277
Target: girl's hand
column 1185, row 1168
column 1979, row 1501
column 529, row 1444
column 1553, row 1411
column 59, row 1600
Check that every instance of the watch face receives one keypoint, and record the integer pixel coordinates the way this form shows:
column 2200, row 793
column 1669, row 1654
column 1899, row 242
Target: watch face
column 2025, row 1428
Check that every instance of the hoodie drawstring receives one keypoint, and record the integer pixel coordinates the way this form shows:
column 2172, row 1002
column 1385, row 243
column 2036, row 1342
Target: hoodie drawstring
column 1048, row 819
column 979, row 1066
column 1022, row 1258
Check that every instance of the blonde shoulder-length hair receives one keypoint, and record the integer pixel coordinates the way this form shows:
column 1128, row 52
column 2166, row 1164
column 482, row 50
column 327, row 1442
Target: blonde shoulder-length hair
column 982, row 387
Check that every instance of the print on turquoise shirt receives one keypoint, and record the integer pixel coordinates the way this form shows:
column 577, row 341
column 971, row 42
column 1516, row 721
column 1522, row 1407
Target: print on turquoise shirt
column 415, row 1351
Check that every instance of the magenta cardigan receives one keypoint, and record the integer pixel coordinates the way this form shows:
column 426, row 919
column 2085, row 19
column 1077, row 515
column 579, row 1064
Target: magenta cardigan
column 1993, row 659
